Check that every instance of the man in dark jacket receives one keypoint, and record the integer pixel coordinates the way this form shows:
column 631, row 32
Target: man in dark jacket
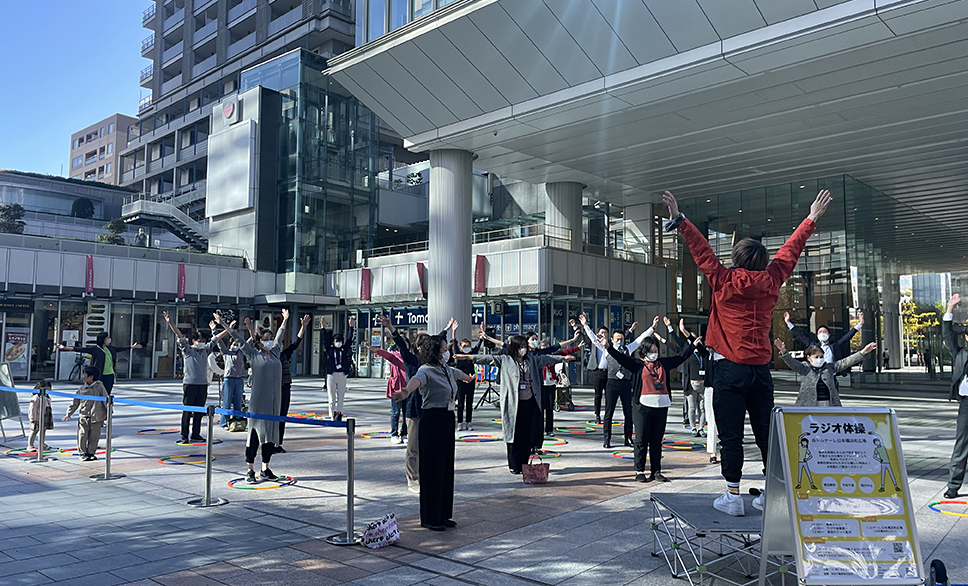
column 832, row 351
column 286, row 358
column 339, row 361
column 959, row 392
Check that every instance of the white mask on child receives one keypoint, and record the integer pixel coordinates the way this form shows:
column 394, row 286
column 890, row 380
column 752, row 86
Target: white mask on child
column 338, row 344
column 199, row 345
column 465, row 349
column 817, row 362
column 823, row 336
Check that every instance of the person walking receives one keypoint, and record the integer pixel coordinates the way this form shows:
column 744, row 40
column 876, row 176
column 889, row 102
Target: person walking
column 266, row 396
column 285, row 357
column 740, row 316
column 650, row 387
column 818, row 387
column 339, row 362
column 520, row 393
column 103, row 357
column 437, row 383
column 195, row 378
column 958, row 392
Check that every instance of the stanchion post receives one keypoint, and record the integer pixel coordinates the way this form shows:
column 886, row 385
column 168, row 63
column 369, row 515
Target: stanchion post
column 107, row 453
column 351, row 537
column 207, row 501
column 42, row 399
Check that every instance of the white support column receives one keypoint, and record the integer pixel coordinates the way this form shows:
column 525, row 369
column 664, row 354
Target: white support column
column 451, row 232
column 563, row 210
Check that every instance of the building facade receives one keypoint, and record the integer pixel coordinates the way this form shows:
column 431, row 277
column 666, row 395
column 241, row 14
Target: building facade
column 96, row 150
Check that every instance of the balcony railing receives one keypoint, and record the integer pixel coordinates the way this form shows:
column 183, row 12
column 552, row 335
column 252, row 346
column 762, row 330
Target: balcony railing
column 173, row 52
column 205, row 31
column 174, row 20
column 240, row 9
column 148, row 15
column 147, row 72
column 148, row 44
column 543, row 234
column 286, row 20
column 241, row 45
column 203, row 66
column 144, row 104
column 171, row 84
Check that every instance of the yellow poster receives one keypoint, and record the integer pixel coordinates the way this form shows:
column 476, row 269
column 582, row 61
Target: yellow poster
column 852, row 516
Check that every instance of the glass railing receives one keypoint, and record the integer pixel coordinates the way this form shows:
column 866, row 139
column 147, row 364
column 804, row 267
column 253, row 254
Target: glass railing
column 545, row 235
column 144, row 104
column 205, row 31
column 147, row 72
column 148, row 14
column 175, row 19
column 240, row 9
column 148, row 43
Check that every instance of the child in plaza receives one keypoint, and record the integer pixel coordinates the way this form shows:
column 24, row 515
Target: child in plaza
column 818, row 387
column 93, row 414
column 36, row 414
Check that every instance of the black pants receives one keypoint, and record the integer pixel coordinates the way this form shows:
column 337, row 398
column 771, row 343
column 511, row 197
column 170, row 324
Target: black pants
column 527, row 434
column 615, row 390
column 194, row 395
column 252, row 448
column 739, row 389
column 548, row 401
column 286, row 397
column 686, row 388
column 650, row 425
column 436, row 436
column 598, row 379
column 108, row 381
column 465, row 400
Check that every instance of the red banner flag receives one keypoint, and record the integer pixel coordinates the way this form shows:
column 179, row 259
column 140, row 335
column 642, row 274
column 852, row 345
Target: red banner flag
column 181, row 281
column 365, row 284
column 89, row 276
column 480, row 274
column 422, row 276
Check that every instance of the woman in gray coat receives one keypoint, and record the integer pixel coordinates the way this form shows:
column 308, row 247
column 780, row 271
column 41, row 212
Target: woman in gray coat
column 818, row 387
column 266, row 396
column 520, row 396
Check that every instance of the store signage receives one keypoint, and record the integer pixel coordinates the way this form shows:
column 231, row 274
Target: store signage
column 15, row 350
column 89, row 275
column 365, row 284
column 409, row 317
column 480, row 274
column 181, row 280
column 477, row 316
column 16, row 305
column 837, row 490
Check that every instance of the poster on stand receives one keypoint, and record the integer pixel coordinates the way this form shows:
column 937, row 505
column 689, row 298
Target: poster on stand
column 16, row 351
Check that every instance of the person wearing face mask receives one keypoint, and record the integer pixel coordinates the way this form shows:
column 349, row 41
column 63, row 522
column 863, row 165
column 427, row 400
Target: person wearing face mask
column 520, row 392
column 650, row 387
column 437, row 383
column 549, row 386
column 832, row 351
column 103, row 357
column 818, row 387
column 195, row 378
column 233, row 382
column 285, row 357
column 619, row 384
column 465, row 390
column 339, row 362
column 958, row 392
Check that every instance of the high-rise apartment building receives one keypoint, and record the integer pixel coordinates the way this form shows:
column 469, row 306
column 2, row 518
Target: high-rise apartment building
column 96, row 149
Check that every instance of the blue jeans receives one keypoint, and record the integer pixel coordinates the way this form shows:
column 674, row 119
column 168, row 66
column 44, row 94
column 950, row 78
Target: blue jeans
column 396, row 418
column 231, row 395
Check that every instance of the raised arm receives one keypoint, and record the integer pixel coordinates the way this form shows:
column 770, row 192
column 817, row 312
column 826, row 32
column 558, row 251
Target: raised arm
column 947, row 329
column 786, row 258
column 699, row 247
column 486, row 359
column 548, row 360
column 402, row 394
column 175, row 330
column 388, row 356
column 800, row 336
column 792, row 362
column 844, row 342
column 624, row 359
column 482, row 333
column 589, row 333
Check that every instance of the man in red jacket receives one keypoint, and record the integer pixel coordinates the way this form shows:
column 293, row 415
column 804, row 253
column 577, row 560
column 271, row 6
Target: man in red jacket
column 740, row 317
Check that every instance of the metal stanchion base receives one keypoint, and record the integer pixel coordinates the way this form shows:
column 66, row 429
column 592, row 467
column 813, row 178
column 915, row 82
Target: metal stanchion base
column 340, row 539
column 42, row 460
column 200, row 502
column 112, row 476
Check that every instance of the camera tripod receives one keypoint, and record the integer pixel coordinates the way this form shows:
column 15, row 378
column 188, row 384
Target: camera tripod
column 490, row 396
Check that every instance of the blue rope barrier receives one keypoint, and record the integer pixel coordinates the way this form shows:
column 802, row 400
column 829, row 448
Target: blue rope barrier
column 72, row 396
column 189, row 408
column 13, row 390
column 320, row 422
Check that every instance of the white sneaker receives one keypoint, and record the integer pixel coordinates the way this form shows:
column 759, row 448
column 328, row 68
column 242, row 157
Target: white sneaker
column 414, row 489
column 403, row 439
column 461, row 426
column 394, row 438
column 400, row 439
column 758, row 502
column 468, row 426
column 731, row 504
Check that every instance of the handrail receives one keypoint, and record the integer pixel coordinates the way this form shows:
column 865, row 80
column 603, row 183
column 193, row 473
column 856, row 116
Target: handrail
column 148, row 14
column 553, row 236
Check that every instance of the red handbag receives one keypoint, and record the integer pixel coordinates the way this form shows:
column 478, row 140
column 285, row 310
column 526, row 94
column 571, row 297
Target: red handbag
column 535, row 473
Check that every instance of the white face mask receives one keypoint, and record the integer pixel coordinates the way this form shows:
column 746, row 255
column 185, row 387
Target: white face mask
column 522, row 352
column 817, row 362
column 445, row 356
column 465, row 349
column 823, row 336
column 652, row 356
column 269, row 345
column 199, row 345
column 618, row 344
column 338, row 344
column 533, row 343
column 235, row 347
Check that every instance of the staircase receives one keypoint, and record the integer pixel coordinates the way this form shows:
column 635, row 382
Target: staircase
column 145, row 209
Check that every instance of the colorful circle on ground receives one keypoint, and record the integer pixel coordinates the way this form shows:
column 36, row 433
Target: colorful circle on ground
column 498, row 420
column 682, row 445
column 310, row 415
column 376, row 434
column 614, row 423
column 157, row 431
column 478, row 438
column 548, row 454
column 580, row 408
column 99, row 452
column 190, row 443
column 183, row 460
column 555, row 442
column 576, row 429
column 624, row 454
column 934, row 507
column 241, row 484
column 29, row 451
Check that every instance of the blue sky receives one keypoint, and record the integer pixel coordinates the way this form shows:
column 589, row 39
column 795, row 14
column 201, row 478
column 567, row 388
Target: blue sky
column 65, row 64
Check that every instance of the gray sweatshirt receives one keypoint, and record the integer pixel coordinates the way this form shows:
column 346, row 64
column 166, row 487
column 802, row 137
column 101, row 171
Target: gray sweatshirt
column 234, row 361
column 96, row 411
column 196, row 362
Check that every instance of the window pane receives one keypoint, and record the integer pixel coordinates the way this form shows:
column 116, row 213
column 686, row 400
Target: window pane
column 398, row 14
column 422, row 7
column 376, row 19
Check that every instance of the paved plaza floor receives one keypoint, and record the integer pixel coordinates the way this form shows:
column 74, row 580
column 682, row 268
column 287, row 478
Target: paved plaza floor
column 589, row 525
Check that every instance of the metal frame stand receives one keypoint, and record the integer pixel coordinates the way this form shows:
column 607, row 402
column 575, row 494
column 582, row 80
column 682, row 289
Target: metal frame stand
column 350, row 537
column 107, row 453
column 207, row 501
column 41, row 441
column 490, row 396
column 703, row 558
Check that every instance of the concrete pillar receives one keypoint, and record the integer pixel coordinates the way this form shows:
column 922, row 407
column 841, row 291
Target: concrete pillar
column 563, row 210
column 890, row 307
column 449, row 273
